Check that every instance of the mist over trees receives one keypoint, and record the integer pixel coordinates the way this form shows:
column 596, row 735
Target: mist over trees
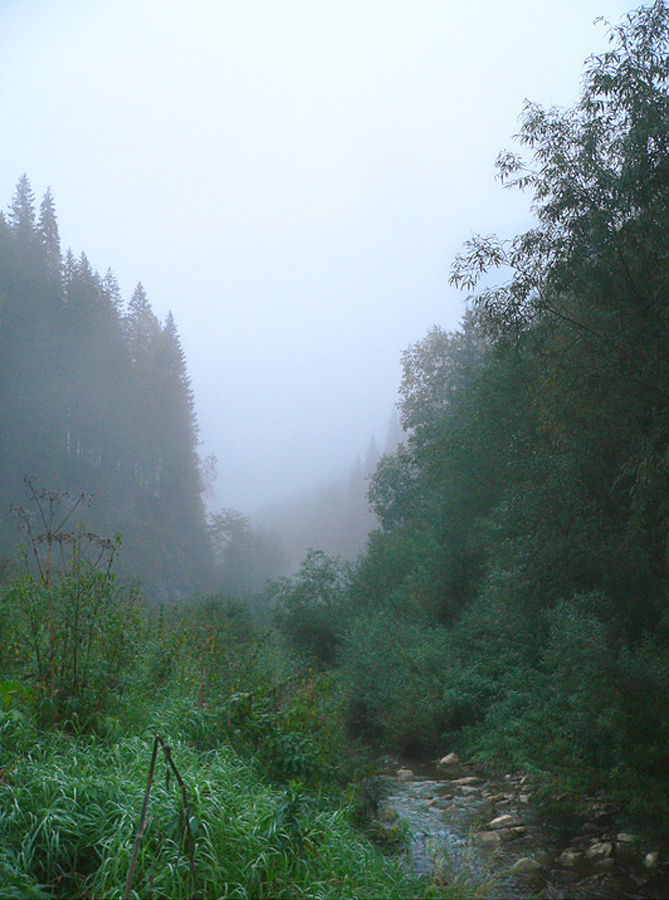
column 335, row 516
column 514, row 600
column 510, row 605
column 96, row 397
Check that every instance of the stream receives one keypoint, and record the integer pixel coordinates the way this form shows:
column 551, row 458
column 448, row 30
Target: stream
column 484, row 834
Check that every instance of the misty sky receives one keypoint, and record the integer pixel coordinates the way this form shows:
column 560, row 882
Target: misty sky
column 291, row 179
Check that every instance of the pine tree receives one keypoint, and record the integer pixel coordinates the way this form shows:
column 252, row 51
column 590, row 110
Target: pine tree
column 47, row 229
column 112, row 291
column 142, row 327
column 22, row 212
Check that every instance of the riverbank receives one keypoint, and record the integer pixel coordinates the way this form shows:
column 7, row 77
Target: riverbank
column 492, row 835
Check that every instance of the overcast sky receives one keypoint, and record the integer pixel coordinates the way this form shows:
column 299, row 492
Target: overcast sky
column 291, row 179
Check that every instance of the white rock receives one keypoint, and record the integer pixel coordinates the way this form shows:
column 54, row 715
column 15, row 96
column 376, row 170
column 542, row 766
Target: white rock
column 404, row 774
column 450, row 761
column 651, row 860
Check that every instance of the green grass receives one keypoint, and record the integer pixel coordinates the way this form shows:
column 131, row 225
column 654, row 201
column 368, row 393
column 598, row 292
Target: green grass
column 69, row 810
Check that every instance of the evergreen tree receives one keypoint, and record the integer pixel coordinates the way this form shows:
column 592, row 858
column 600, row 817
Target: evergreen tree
column 112, row 292
column 47, row 229
column 22, row 212
column 94, row 400
column 142, row 328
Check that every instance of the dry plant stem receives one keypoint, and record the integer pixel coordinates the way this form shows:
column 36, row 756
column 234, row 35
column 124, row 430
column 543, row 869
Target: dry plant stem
column 142, row 822
column 158, row 742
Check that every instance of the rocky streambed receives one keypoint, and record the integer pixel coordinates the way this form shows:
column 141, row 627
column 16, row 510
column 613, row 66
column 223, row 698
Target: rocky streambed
column 486, row 833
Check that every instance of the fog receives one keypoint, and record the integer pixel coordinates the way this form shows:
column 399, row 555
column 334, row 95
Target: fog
column 291, row 179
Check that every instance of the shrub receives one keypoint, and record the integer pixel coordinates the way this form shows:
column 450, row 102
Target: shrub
column 395, row 671
column 309, row 606
column 71, row 626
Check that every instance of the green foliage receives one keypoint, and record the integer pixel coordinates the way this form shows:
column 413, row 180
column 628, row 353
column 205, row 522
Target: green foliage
column 395, row 670
column 515, row 600
column 308, row 606
column 70, row 627
column 247, row 557
column 402, row 570
column 69, row 811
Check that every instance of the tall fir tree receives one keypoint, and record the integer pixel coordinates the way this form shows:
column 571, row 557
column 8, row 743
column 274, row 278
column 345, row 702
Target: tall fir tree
column 22, row 212
column 47, row 229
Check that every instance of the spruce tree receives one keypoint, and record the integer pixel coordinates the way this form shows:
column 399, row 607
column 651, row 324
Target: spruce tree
column 47, row 229
column 22, row 212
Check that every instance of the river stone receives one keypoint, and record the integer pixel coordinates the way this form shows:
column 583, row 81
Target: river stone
column 568, row 858
column 624, row 837
column 624, row 850
column 489, row 838
column 526, row 866
column 450, row 762
column 404, row 774
column 600, row 850
column 651, row 859
column 505, row 821
column 468, row 779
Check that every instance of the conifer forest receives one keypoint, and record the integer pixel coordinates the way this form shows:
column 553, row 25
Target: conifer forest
column 188, row 711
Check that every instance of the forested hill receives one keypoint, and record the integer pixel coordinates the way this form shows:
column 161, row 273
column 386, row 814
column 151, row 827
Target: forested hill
column 95, row 397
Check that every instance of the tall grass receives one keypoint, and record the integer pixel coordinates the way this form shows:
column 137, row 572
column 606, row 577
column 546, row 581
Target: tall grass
column 69, row 810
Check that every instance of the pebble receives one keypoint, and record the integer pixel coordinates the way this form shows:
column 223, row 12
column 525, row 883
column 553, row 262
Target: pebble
column 450, row 761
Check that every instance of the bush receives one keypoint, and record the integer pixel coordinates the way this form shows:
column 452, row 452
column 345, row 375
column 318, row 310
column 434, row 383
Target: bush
column 395, row 671
column 70, row 627
column 309, row 607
